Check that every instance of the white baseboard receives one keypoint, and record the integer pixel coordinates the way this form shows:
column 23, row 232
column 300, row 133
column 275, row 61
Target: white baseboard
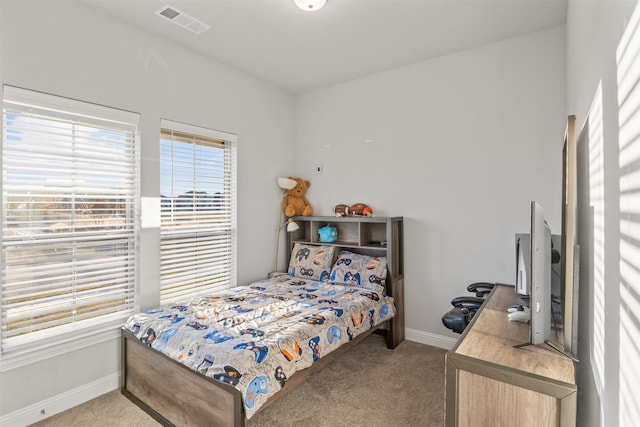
column 427, row 338
column 67, row 400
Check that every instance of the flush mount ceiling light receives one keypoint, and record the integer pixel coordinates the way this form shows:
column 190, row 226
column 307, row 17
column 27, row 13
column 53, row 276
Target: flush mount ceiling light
column 310, row 5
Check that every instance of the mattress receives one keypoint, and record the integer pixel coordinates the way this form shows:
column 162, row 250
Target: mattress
column 255, row 337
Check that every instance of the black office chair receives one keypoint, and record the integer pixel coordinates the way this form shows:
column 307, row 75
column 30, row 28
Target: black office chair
column 465, row 307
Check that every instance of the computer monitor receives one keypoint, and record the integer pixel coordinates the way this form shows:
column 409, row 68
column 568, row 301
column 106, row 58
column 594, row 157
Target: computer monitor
column 533, row 273
column 540, row 297
column 523, row 262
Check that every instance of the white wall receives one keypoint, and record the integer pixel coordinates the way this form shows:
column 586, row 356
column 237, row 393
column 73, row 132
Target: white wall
column 68, row 49
column 461, row 145
column 609, row 196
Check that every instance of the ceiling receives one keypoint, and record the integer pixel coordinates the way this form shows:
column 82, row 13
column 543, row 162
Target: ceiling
column 299, row 51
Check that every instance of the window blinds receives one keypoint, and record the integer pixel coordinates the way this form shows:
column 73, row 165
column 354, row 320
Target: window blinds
column 70, row 192
column 197, row 211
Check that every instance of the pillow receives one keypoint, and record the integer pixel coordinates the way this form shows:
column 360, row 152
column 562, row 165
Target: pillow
column 311, row 262
column 359, row 270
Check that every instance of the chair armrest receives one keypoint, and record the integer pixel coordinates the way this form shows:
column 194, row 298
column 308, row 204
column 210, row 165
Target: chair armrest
column 481, row 289
column 470, row 303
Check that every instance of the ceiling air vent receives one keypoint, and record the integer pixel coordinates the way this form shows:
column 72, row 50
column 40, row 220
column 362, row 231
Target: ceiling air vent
column 183, row 20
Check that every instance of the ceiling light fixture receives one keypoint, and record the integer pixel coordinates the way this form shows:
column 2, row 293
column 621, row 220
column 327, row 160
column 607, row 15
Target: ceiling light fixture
column 310, row 5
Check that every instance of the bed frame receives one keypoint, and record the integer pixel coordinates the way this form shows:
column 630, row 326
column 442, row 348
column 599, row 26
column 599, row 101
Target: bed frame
column 173, row 394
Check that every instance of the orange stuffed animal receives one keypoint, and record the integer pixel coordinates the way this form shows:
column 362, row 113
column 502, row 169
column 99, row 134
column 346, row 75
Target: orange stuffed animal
column 294, row 202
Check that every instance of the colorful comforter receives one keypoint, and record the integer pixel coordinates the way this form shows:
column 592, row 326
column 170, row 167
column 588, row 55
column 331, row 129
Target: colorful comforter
column 255, row 337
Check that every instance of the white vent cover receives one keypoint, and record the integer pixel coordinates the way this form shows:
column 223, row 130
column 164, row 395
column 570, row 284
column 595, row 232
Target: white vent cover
column 182, row 19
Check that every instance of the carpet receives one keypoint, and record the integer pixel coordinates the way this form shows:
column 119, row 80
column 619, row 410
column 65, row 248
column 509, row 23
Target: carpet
column 369, row 385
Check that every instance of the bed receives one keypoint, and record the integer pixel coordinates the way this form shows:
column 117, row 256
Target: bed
column 219, row 359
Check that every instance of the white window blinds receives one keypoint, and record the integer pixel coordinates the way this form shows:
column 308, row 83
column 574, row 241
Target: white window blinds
column 69, row 200
column 197, row 184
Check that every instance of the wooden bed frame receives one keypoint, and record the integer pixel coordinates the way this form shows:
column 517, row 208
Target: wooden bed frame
column 173, row 394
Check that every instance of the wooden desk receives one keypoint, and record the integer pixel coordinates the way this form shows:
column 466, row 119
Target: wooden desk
column 491, row 383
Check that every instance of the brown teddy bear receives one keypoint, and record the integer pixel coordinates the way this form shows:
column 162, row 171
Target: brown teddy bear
column 294, row 203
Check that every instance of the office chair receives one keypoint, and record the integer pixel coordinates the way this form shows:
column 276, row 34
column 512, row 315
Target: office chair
column 465, row 307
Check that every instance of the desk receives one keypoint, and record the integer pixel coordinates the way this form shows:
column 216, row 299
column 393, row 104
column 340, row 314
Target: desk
column 491, row 383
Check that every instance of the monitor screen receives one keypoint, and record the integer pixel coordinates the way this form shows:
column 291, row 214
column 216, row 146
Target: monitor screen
column 540, row 272
column 534, row 273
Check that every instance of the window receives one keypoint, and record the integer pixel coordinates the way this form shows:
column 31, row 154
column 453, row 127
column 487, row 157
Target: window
column 69, row 200
column 197, row 232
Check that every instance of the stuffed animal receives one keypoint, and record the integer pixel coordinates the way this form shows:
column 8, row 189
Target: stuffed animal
column 294, row 203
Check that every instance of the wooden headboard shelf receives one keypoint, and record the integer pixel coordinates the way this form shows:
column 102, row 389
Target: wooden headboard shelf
column 375, row 236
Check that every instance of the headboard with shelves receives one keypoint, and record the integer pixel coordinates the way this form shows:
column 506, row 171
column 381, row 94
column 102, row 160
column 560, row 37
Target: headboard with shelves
column 374, row 236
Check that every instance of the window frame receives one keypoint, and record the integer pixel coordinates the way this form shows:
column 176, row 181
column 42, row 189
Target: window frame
column 230, row 146
column 85, row 332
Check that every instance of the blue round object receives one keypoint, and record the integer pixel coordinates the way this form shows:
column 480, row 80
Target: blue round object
column 328, row 234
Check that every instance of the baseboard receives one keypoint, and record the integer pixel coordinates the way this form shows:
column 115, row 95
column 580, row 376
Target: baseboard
column 427, row 338
column 67, row 400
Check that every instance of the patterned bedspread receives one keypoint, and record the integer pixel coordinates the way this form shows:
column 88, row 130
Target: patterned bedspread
column 255, row 337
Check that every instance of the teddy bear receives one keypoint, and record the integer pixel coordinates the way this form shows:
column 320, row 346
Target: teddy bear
column 294, row 203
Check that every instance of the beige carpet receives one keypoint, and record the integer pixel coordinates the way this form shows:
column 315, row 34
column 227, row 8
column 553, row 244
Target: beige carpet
column 367, row 386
